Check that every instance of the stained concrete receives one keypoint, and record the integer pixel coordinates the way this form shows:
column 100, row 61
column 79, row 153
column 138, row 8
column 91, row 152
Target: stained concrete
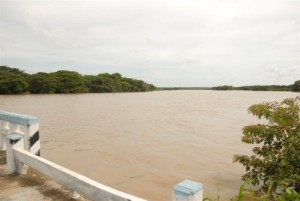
column 33, row 186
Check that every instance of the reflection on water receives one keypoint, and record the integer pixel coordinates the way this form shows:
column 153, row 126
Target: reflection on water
column 145, row 143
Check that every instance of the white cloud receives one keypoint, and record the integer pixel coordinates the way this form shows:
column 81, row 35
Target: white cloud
column 169, row 43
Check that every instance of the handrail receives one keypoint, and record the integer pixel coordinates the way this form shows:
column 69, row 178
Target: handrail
column 71, row 179
column 18, row 118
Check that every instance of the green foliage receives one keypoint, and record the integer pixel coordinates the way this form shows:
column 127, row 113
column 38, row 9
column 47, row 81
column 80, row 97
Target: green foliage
column 115, row 83
column 43, row 83
column 276, row 159
column 15, row 81
column 12, row 81
column 69, row 82
column 15, row 71
column 245, row 195
column 241, row 194
column 296, row 86
column 225, row 87
column 257, row 88
column 289, row 195
column 265, row 88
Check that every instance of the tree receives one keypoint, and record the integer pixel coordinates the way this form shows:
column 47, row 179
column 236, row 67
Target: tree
column 225, row 87
column 126, row 86
column 69, row 82
column 117, row 78
column 42, row 83
column 16, row 71
column 276, row 159
column 11, row 83
column 296, row 86
column 13, row 80
column 96, row 84
column 106, row 82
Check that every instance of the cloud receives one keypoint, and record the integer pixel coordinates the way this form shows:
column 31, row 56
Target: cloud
column 170, row 43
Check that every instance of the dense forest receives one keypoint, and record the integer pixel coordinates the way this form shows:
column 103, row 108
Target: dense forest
column 292, row 87
column 16, row 81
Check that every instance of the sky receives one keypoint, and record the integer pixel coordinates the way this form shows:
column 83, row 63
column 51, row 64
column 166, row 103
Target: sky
column 188, row 43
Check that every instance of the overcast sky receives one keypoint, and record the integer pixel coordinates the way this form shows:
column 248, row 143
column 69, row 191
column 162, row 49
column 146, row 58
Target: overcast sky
column 164, row 42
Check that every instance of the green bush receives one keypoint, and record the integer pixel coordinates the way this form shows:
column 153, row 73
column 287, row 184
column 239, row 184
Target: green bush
column 276, row 159
column 289, row 195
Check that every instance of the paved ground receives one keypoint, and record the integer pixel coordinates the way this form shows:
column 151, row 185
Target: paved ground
column 33, row 186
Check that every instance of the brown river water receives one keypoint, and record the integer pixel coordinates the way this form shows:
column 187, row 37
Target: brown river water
column 145, row 143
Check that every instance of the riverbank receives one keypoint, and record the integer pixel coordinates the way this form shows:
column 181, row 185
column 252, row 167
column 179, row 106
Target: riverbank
column 33, row 186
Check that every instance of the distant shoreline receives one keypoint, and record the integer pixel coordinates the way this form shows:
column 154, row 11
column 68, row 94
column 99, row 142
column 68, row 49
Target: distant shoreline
column 231, row 88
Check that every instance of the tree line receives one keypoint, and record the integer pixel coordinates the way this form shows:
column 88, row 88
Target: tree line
column 16, row 81
column 293, row 87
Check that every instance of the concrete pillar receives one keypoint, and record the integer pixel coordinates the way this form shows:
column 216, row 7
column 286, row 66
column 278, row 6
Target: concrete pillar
column 4, row 129
column 188, row 190
column 32, row 139
column 13, row 165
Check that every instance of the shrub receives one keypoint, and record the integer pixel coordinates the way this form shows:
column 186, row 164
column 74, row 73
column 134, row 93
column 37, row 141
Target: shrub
column 276, row 159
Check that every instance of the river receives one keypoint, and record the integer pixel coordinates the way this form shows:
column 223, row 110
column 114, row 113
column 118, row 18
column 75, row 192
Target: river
column 145, row 143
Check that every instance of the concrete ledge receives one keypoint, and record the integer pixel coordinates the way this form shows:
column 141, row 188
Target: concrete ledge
column 18, row 118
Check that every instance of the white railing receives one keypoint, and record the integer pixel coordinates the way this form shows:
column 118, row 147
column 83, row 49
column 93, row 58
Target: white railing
column 70, row 179
column 19, row 135
column 27, row 126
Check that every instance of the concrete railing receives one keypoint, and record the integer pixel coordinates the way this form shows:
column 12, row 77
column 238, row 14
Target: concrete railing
column 16, row 156
column 23, row 148
column 27, row 126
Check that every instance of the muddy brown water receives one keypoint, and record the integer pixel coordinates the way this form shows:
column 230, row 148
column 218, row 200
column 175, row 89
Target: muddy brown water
column 145, row 143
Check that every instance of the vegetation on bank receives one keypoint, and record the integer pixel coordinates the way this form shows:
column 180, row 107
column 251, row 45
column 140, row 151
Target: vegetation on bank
column 16, row 81
column 293, row 87
column 274, row 167
column 273, row 171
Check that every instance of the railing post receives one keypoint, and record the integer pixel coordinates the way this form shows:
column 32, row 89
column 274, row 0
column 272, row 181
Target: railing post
column 14, row 140
column 4, row 129
column 188, row 190
column 32, row 138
